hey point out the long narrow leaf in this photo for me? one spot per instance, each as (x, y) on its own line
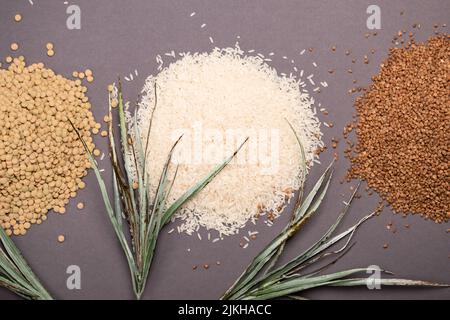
(145, 216)
(308, 208)
(109, 209)
(10, 270)
(317, 247)
(315, 250)
(295, 213)
(154, 226)
(198, 186)
(24, 292)
(386, 282)
(299, 284)
(19, 272)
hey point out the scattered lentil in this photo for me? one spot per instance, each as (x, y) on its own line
(114, 103)
(14, 46)
(17, 18)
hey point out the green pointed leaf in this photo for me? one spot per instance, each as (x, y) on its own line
(305, 211)
(387, 282)
(198, 186)
(18, 276)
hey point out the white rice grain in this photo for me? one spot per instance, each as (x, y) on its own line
(210, 87)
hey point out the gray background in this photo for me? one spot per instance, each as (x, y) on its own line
(120, 36)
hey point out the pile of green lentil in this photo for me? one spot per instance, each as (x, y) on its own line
(403, 130)
(42, 162)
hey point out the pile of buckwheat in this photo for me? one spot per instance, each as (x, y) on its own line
(403, 130)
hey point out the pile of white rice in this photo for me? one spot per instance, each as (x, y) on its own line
(215, 100)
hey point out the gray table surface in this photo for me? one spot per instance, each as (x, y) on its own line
(118, 37)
